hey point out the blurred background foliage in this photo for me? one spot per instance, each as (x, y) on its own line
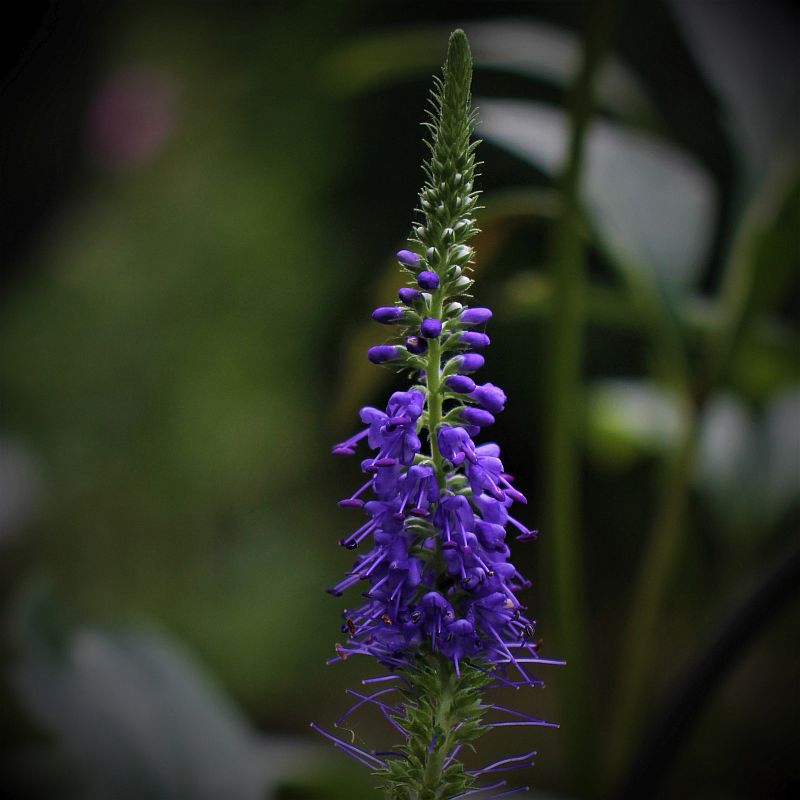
(200, 204)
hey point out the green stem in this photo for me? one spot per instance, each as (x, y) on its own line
(443, 708)
(564, 386)
(739, 277)
(716, 657)
(640, 639)
(432, 777)
(431, 788)
(668, 526)
(433, 378)
(433, 373)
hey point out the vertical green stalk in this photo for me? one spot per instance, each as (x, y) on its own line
(641, 635)
(669, 522)
(434, 372)
(442, 709)
(564, 393)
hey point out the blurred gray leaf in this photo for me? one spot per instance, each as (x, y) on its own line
(531, 49)
(627, 419)
(650, 205)
(547, 52)
(748, 465)
(20, 487)
(782, 435)
(140, 720)
(749, 54)
(728, 462)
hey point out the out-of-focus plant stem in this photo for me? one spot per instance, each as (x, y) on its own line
(668, 526)
(640, 639)
(562, 517)
(718, 655)
(736, 289)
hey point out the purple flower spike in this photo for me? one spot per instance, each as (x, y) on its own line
(428, 280)
(491, 397)
(416, 345)
(407, 258)
(387, 314)
(474, 339)
(475, 316)
(381, 353)
(469, 362)
(408, 295)
(460, 383)
(476, 416)
(430, 328)
(436, 593)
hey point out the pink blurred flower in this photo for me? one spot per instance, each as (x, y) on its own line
(131, 117)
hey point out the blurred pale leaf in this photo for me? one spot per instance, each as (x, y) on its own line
(20, 487)
(650, 205)
(531, 49)
(782, 436)
(748, 52)
(627, 419)
(547, 52)
(749, 465)
(140, 719)
(726, 468)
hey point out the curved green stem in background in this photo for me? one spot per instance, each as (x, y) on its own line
(739, 276)
(562, 521)
(668, 527)
(726, 643)
(641, 634)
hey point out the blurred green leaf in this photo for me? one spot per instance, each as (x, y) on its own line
(768, 341)
(380, 58)
(774, 249)
(766, 361)
(531, 49)
(161, 351)
(140, 719)
(650, 205)
(529, 294)
(628, 419)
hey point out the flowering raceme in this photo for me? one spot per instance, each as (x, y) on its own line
(440, 609)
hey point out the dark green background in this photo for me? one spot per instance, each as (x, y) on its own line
(176, 358)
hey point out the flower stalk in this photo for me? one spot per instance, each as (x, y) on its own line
(441, 613)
